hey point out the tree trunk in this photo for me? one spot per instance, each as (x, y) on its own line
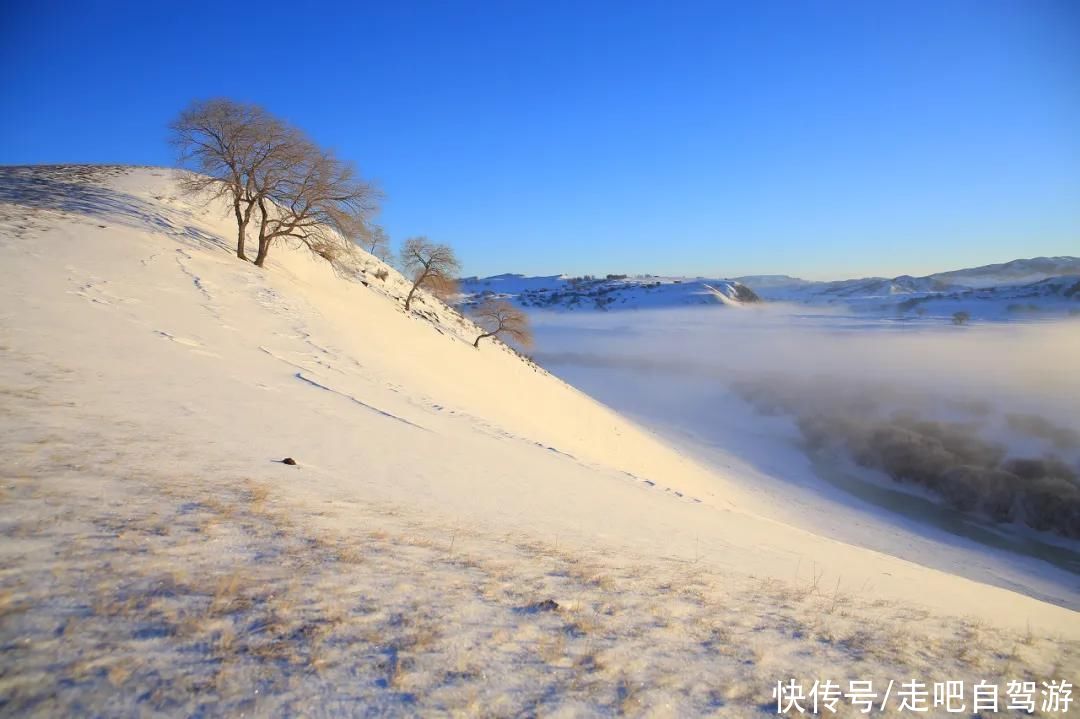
(264, 241)
(241, 237)
(419, 281)
(476, 344)
(264, 249)
(241, 232)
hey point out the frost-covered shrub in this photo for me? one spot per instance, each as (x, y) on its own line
(962, 488)
(1036, 426)
(1052, 504)
(1038, 468)
(949, 459)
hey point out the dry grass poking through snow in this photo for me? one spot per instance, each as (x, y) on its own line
(131, 589)
(149, 594)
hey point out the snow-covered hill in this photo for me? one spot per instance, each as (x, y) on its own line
(1041, 286)
(1016, 272)
(1052, 296)
(462, 532)
(1003, 291)
(614, 292)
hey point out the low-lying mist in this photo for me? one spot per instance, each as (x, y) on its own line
(985, 418)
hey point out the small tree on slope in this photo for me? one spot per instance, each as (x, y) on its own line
(433, 267)
(498, 317)
(377, 243)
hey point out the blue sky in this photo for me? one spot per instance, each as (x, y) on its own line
(814, 138)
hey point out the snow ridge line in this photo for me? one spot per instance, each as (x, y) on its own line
(300, 376)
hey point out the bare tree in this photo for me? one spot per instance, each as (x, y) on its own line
(443, 286)
(255, 161)
(377, 243)
(433, 267)
(231, 147)
(316, 199)
(498, 317)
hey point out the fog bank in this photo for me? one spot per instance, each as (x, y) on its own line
(982, 417)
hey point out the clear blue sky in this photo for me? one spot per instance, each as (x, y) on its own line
(815, 138)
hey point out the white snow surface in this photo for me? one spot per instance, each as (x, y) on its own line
(150, 380)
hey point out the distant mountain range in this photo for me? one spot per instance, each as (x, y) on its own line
(613, 292)
(1013, 273)
(1016, 272)
(1047, 285)
(1024, 287)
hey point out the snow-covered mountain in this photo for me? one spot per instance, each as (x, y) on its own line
(780, 287)
(764, 282)
(1039, 285)
(1053, 295)
(1016, 272)
(614, 292)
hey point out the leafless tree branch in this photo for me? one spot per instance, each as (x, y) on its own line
(500, 318)
(433, 267)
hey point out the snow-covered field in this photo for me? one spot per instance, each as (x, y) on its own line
(464, 533)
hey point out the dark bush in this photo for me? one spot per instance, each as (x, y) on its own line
(998, 494)
(990, 491)
(1038, 468)
(962, 487)
(1035, 426)
(1052, 504)
(950, 459)
(906, 455)
(959, 440)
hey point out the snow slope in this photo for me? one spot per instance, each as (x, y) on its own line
(158, 555)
